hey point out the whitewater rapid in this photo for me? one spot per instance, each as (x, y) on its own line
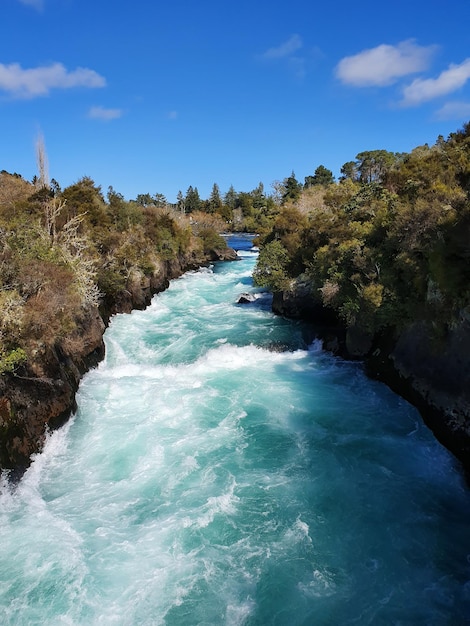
(222, 469)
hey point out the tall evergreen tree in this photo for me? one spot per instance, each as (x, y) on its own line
(259, 199)
(215, 201)
(292, 188)
(230, 198)
(322, 176)
(192, 201)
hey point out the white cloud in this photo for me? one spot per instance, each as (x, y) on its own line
(424, 89)
(285, 50)
(36, 4)
(101, 113)
(38, 81)
(454, 111)
(384, 65)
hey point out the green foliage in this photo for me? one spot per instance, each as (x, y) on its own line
(389, 243)
(271, 270)
(372, 165)
(146, 200)
(84, 197)
(192, 200)
(292, 189)
(62, 252)
(322, 176)
(211, 240)
(10, 361)
(349, 171)
(215, 201)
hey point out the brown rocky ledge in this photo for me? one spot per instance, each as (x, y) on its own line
(41, 395)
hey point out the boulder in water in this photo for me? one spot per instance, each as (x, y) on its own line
(246, 298)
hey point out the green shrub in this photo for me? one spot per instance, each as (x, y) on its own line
(9, 361)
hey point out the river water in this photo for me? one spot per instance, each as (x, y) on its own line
(210, 476)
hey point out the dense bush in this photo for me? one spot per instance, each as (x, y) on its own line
(64, 251)
(387, 244)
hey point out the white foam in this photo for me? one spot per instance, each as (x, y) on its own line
(321, 585)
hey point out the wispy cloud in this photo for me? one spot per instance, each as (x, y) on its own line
(102, 113)
(36, 4)
(285, 50)
(39, 81)
(385, 64)
(425, 89)
(287, 53)
(454, 111)
(172, 115)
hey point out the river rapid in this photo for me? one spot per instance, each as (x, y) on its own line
(222, 469)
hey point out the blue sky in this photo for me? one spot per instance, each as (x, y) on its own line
(152, 97)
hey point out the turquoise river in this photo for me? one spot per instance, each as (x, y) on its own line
(222, 470)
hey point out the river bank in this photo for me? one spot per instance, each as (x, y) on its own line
(431, 373)
(40, 395)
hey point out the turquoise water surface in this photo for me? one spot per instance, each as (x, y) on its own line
(210, 476)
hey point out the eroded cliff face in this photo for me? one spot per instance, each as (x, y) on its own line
(41, 394)
(141, 288)
(430, 370)
(433, 373)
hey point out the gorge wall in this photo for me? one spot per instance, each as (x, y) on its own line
(430, 370)
(40, 395)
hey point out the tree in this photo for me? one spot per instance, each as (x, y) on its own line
(84, 197)
(322, 176)
(180, 202)
(372, 165)
(192, 200)
(42, 163)
(292, 188)
(349, 171)
(55, 187)
(259, 199)
(144, 199)
(271, 269)
(230, 198)
(245, 203)
(215, 201)
(160, 200)
(118, 210)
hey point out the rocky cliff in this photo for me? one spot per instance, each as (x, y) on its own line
(40, 395)
(430, 370)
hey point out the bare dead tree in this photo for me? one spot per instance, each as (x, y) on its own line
(42, 163)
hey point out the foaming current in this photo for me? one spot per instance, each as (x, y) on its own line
(222, 469)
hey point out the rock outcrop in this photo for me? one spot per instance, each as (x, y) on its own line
(431, 372)
(225, 254)
(246, 298)
(41, 394)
